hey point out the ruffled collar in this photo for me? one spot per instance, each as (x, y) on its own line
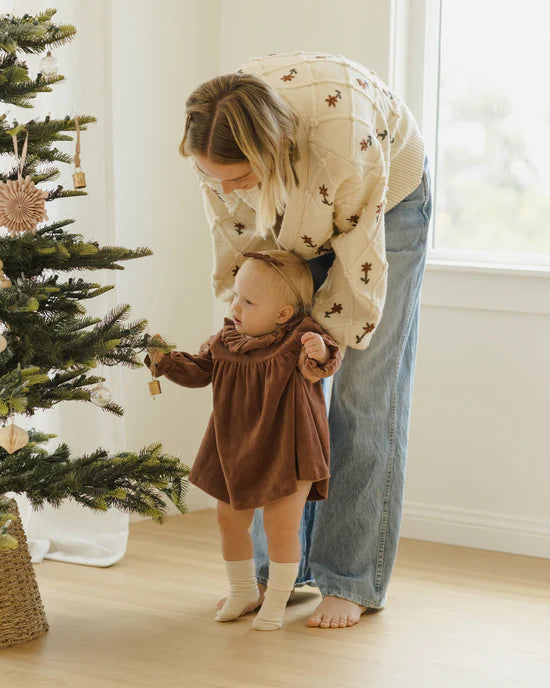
(239, 343)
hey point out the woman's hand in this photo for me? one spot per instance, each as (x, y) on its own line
(315, 347)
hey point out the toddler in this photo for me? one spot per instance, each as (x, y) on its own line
(267, 441)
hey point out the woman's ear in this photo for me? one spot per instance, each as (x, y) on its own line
(285, 314)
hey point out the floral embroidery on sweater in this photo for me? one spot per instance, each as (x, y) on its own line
(353, 220)
(288, 77)
(324, 193)
(369, 327)
(362, 83)
(365, 143)
(336, 308)
(384, 134)
(332, 100)
(239, 227)
(308, 241)
(366, 267)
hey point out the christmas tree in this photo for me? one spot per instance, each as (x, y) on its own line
(48, 346)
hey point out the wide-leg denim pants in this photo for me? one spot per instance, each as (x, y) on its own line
(349, 541)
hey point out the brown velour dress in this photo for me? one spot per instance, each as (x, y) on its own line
(269, 425)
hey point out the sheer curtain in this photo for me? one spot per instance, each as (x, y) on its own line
(73, 533)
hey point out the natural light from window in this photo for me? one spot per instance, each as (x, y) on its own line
(493, 157)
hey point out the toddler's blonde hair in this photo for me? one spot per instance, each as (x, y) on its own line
(239, 117)
(295, 269)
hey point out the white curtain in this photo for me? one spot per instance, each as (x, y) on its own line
(73, 533)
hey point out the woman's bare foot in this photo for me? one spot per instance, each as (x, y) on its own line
(335, 612)
(251, 607)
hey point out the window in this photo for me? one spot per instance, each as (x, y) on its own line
(475, 80)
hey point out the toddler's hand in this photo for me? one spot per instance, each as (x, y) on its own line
(315, 347)
(155, 356)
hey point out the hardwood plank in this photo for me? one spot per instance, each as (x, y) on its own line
(455, 617)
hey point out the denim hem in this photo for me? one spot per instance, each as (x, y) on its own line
(298, 584)
(370, 604)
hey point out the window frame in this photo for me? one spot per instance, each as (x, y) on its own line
(414, 73)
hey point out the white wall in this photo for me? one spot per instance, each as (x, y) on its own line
(358, 29)
(158, 58)
(479, 469)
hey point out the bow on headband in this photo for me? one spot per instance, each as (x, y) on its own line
(276, 264)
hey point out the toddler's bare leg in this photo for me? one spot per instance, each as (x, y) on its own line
(281, 523)
(237, 550)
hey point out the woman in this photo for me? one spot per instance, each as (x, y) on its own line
(313, 154)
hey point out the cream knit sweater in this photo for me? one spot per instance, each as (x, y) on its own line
(360, 154)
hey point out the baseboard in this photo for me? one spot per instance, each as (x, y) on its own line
(481, 530)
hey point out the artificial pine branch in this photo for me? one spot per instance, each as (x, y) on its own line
(30, 34)
(20, 93)
(127, 480)
(30, 254)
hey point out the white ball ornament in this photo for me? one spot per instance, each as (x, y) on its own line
(49, 66)
(100, 395)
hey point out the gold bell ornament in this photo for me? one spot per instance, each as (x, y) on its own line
(154, 387)
(79, 179)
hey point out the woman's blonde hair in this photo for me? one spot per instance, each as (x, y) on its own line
(299, 293)
(238, 117)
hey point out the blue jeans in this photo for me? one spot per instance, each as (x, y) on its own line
(349, 541)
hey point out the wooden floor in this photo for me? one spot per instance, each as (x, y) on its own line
(455, 617)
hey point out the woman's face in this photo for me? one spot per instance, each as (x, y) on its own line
(256, 309)
(238, 175)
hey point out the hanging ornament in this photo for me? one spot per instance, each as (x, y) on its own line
(100, 395)
(22, 204)
(5, 282)
(49, 66)
(3, 343)
(13, 438)
(79, 179)
(154, 387)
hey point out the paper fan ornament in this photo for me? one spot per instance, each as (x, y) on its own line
(22, 204)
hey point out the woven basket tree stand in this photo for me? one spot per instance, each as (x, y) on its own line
(22, 616)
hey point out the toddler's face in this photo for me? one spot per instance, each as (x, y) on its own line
(255, 309)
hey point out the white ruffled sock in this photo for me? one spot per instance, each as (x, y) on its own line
(279, 586)
(243, 589)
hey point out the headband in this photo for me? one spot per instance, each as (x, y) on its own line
(276, 265)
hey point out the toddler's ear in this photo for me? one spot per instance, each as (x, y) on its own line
(285, 314)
